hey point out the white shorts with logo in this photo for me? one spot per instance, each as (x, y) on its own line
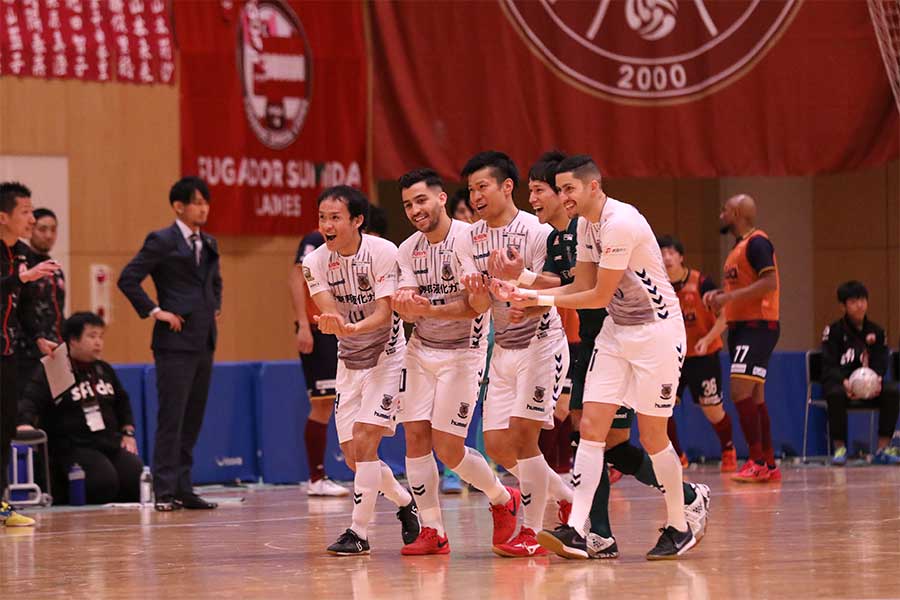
(368, 395)
(441, 386)
(637, 366)
(526, 383)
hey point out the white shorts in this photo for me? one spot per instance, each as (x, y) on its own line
(637, 366)
(526, 383)
(368, 395)
(441, 387)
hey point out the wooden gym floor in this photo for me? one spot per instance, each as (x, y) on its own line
(822, 533)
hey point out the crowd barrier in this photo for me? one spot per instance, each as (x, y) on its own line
(255, 415)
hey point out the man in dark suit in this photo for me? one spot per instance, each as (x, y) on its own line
(184, 265)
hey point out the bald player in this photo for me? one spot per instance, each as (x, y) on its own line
(750, 302)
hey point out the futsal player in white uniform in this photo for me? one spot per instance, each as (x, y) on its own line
(637, 357)
(531, 355)
(444, 362)
(351, 278)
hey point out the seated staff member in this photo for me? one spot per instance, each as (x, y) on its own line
(91, 424)
(849, 343)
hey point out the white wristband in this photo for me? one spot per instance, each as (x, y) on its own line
(543, 300)
(526, 277)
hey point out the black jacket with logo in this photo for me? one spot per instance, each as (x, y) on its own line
(40, 308)
(64, 419)
(844, 347)
(12, 258)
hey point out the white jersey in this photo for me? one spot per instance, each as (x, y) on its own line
(623, 240)
(434, 270)
(356, 282)
(526, 234)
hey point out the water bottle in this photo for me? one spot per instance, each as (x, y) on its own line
(76, 486)
(146, 487)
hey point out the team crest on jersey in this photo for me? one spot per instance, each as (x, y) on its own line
(335, 264)
(362, 281)
(463, 410)
(479, 237)
(446, 272)
(386, 402)
(665, 392)
(539, 393)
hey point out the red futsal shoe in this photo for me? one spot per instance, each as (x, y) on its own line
(505, 516)
(428, 542)
(524, 545)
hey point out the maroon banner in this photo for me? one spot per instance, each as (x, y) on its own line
(648, 87)
(273, 107)
(92, 40)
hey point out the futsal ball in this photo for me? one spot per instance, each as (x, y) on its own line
(864, 383)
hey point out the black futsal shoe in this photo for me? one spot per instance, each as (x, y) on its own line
(672, 544)
(564, 541)
(409, 522)
(349, 544)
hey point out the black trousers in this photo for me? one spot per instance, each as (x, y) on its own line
(9, 408)
(182, 381)
(25, 368)
(109, 475)
(888, 405)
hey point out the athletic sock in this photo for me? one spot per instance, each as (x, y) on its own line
(475, 470)
(667, 466)
(534, 472)
(599, 514)
(365, 493)
(749, 416)
(585, 478)
(557, 487)
(765, 433)
(725, 433)
(315, 437)
(672, 429)
(391, 488)
(422, 473)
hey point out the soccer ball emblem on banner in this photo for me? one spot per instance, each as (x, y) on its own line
(640, 51)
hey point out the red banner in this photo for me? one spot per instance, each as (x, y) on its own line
(273, 107)
(648, 87)
(92, 40)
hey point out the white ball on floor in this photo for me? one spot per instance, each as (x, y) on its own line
(864, 383)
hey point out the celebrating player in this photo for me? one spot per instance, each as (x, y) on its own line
(444, 362)
(530, 354)
(351, 279)
(636, 359)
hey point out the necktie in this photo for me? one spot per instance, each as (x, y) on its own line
(196, 246)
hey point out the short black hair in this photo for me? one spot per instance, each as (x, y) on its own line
(545, 167)
(378, 221)
(10, 192)
(183, 190)
(850, 290)
(356, 201)
(460, 196)
(429, 176)
(40, 213)
(670, 241)
(581, 166)
(502, 167)
(74, 326)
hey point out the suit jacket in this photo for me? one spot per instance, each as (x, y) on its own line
(184, 288)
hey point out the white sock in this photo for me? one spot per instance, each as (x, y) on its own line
(667, 467)
(474, 469)
(425, 482)
(586, 475)
(557, 487)
(392, 489)
(534, 490)
(365, 493)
